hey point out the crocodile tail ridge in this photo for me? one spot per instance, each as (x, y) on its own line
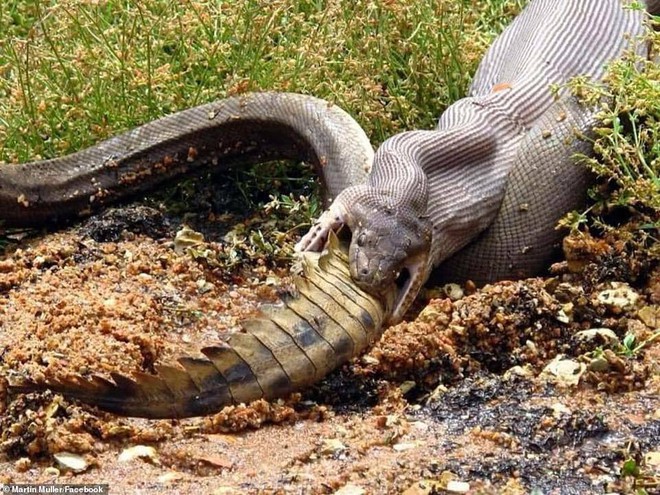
(325, 321)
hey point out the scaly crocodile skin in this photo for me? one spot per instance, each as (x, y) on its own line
(478, 197)
(323, 323)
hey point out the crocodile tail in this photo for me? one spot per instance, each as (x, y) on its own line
(319, 325)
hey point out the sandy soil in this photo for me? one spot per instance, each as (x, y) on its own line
(467, 392)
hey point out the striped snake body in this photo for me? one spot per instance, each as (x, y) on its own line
(478, 197)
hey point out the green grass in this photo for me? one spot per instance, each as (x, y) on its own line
(75, 72)
(72, 73)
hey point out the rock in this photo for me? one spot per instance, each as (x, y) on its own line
(525, 371)
(370, 360)
(650, 316)
(227, 490)
(52, 472)
(564, 371)
(185, 238)
(559, 409)
(171, 477)
(598, 334)
(23, 464)
(402, 447)
(565, 314)
(332, 446)
(222, 438)
(203, 286)
(445, 484)
(620, 297)
(453, 291)
(216, 461)
(458, 487)
(407, 386)
(139, 452)
(652, 460)
(424, 487)
(72, 462)
(599, 363)
(351, 490)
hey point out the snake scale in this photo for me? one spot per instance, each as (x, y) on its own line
(478, 198)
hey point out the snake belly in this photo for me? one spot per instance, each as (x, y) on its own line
(493, 179)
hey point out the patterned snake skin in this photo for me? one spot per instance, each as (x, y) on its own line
(481, 195)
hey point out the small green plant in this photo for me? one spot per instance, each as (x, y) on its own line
(644, 480)
(267, 235)
(300, 211)
(625, 203)
(628, 345)
(627, 140)
(630, 468)
(630, 348)
(574, 221)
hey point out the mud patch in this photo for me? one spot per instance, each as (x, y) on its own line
(117, 223)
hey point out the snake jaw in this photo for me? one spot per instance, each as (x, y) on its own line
(389, 254)
(417, 268)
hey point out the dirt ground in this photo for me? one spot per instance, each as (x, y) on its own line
(504, 390)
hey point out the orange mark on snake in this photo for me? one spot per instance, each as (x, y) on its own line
(501, 87)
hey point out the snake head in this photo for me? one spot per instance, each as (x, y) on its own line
(389, 254)
(390, 247)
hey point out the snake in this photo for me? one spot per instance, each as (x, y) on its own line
(477, 198)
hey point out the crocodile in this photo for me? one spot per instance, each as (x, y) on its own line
(319, 324)
(477, 197)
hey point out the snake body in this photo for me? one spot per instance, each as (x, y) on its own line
(240, 130)
(478, 197)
